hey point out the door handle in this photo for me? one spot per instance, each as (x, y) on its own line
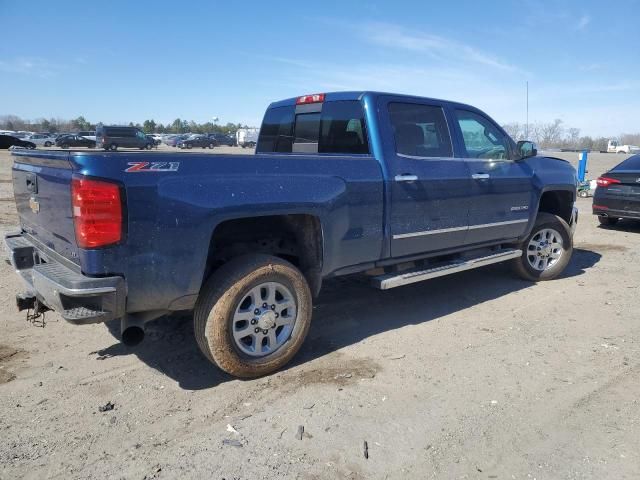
(406, 178)
(480, 176)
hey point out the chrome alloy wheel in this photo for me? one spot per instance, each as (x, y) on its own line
(545, 249)
(264, 319)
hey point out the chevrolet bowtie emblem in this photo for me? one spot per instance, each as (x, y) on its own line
(34, 205)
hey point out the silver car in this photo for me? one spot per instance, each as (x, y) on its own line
(42, 139)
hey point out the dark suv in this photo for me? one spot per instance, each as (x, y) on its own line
(197, 141)
(223, 139)
(111, 138)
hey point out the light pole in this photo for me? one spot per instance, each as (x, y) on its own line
(526, 126)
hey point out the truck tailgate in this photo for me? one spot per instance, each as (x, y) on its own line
(42, 189)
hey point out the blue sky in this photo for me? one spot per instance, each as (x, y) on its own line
(121, 61)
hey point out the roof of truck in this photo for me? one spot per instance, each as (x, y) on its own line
(337, 96)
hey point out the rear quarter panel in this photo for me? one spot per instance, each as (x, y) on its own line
(172, 215)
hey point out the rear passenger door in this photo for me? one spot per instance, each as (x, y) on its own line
(429, 187)
(501, 187)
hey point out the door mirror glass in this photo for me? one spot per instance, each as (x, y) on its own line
(527, 149)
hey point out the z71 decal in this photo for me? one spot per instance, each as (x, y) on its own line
(152, 167)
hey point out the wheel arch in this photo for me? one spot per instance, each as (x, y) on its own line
(557, 201)
(297, 238)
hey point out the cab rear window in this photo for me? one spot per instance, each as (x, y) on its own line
(338, 128)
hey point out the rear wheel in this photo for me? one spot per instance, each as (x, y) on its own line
(189, 146)
(47, 144)
(211, 145)
(148, 146)
(546, 251)
(113, 147)
(64, 145)
(608, 221)
(253, 315)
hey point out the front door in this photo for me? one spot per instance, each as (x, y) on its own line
(429, 188)
(501, 187)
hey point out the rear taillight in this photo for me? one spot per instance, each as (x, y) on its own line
(97, 212)
(315, 98)
(606, 181)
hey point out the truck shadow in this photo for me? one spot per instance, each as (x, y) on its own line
(631, 226)
(347, 312)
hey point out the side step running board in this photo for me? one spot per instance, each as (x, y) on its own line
(392, 280)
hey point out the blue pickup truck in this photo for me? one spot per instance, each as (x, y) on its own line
(400, 188)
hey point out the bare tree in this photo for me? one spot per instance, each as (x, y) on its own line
(630, 139)
(573, 138)
(515, 130)
(550, 134)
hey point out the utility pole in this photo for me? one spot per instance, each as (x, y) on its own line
(526, 126)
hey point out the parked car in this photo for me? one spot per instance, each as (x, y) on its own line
(42, 139)
(247, 137)
(113, 137)
(405, 188)
(157, 138)
(617, 193)
(202, 141)
(223, 139)
(8, 141)
(88, 134)
(173, 140)
(73, 140)
(153, 140)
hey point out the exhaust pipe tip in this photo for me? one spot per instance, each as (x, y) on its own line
(132, 335)
(132, 326)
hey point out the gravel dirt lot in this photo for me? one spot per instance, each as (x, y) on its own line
(478, 375)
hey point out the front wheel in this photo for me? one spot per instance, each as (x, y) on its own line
(211, 145)
(47, 144)
(253, 315)
(546, 251)
(113, 147)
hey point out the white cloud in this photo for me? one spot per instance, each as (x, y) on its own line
(583, 22)
(435, 46)
(29, 66)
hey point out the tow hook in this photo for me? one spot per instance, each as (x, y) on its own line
(35, 309)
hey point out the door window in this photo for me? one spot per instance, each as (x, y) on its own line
(420, 130)
(482, 139)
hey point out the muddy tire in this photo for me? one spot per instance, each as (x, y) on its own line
(230, 294)
(546, 251)
(608, 221)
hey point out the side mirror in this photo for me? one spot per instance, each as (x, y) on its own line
(526, 149)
